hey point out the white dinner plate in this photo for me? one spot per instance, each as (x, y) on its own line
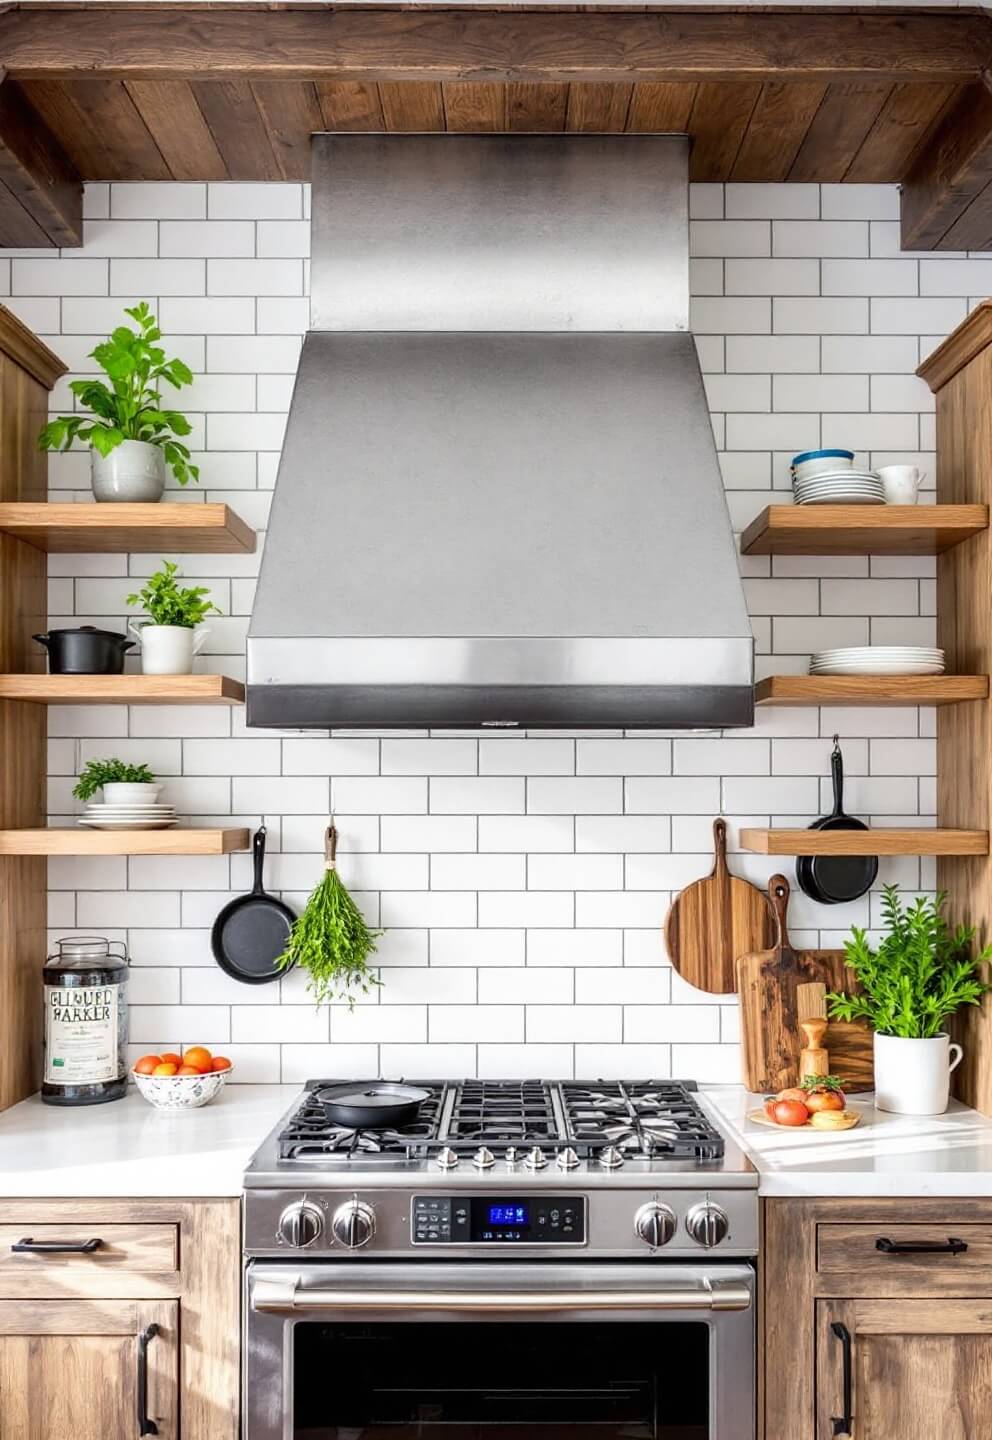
(126, 824)
(880, 667)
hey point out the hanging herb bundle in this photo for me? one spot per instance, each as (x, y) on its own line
(331, 940)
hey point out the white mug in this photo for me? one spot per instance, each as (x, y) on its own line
(168, 649)
(901, 483)
(913, 1077)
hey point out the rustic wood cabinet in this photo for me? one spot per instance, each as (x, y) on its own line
(115, 1310)
(877, 1319)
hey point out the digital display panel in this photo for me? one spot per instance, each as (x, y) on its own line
(513, 1215)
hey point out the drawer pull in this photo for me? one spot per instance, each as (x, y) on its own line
(843, 1425)
(27, 1246)
(950, 1246)
(145, 1425)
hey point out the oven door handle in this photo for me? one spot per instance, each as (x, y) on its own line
(287, 1297)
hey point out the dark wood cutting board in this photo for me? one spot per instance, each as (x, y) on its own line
(770, 1036)
(713, 921)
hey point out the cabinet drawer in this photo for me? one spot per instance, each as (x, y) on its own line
(66, 1255)
(894, 1251)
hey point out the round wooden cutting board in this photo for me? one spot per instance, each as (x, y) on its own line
(715, 920)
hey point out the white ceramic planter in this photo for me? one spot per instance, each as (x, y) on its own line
(131, 792)
(133, 472)
(168, 649)
(912, 1077)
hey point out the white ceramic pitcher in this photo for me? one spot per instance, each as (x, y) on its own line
(901, 483)
(168, 649)
(913, 1077)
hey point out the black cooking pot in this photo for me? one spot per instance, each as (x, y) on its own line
(376, 1105)
(85, 651)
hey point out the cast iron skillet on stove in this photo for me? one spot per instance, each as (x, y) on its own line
(374, 1105)
(836, 879)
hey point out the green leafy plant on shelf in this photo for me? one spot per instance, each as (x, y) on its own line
(167, 603)
(129, 406)
(920, 974)
(98, 773)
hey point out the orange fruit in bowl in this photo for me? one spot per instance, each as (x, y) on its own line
(198, 1056)
(146, 1065)
(166, 1068)
(220, 1062)
(188, 1070)
(169, 1057)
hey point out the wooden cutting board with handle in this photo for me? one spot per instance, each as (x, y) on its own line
(714, 920)
(768, 982)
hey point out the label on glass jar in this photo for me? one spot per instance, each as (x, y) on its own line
(81, 1034)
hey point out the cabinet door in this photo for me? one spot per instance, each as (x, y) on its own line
(81, 1368)
(918, 1368)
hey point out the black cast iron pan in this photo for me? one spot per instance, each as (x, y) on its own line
(836, 879)
(250, 933)
(372, 1105)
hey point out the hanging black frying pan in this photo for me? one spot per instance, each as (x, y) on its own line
(836, 879)
(372, 1105)
(250, 933)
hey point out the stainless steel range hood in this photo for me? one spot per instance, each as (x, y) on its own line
(498, 501)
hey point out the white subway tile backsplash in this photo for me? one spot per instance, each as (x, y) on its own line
(522, 880)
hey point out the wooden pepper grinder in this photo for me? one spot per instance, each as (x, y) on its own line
(813, 1058)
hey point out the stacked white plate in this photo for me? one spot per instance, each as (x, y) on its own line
(127, 817)
(879, 660)
(842, 487)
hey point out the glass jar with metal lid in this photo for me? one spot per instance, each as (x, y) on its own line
(85, 981)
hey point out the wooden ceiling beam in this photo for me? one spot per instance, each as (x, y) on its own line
(260, 42)
(41, 194)
(946, 194)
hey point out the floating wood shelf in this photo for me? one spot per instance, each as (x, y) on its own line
(862, 529)
(866, 842)
(868, 689)
(123, 689)
(77, 841)
(192, 528)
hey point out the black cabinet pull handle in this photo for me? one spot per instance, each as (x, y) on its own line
(27, 1246)
(950, 1246)
(145, 1426)
(843, 1425)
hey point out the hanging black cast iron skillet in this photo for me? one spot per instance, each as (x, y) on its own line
(250, 933)
(836, 879)
(372, 1105)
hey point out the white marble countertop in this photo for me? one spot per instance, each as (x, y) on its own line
(886, 1154)
(127, 1148)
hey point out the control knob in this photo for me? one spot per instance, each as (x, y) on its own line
(655, 1224)
(707, 1224)
(353, 1224)
(300, 1224)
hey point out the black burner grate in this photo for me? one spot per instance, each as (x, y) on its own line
(650, 1119)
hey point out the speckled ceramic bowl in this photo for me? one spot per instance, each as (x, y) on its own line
(180, 1092)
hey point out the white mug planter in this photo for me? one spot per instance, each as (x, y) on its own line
(131, 792)
(133, 472)
(168, 649)
(913, 1077)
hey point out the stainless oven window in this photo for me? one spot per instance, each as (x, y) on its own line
(509, 1381)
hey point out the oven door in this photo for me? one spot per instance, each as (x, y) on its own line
(499, 1351)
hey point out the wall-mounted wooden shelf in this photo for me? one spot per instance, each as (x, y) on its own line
(169, 527)
(77, 841)
(866, 842)
(862, 529)
(869, 690)
(123, 689)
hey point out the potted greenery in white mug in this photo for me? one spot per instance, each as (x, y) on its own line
(121, 783)
(173, 632)
(920, 975)
(132, 438)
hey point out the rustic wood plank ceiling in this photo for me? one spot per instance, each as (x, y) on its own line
(192, 92)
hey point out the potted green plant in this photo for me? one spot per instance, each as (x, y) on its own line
(122, 784)
(132, 438)
(919, 976)
(173, 632)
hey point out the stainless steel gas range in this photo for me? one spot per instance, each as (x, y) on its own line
(518, 1259)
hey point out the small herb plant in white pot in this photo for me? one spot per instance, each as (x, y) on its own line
(173, 632)
(122, 784)
(132, 438)
(920, 975)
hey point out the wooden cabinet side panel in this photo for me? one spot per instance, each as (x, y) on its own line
(786, 1342)
(210, 1365)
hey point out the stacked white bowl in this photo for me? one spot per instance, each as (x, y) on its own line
(828, 477)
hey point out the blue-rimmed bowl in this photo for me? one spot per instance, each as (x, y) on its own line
(820, 462)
